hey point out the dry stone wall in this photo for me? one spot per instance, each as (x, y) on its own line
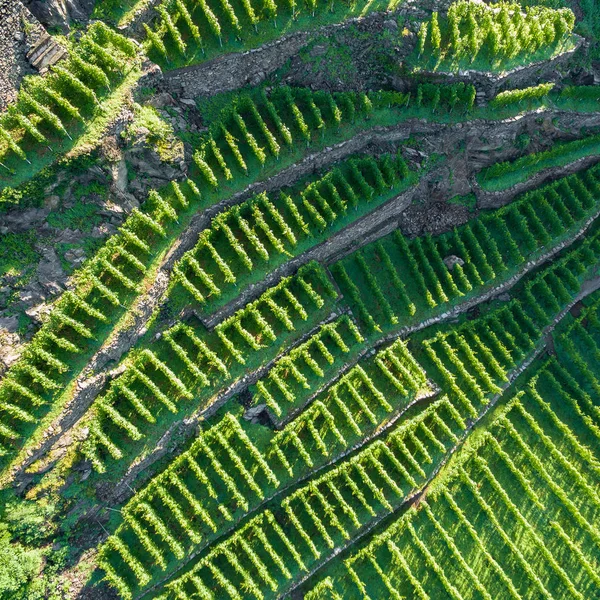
(19, 31)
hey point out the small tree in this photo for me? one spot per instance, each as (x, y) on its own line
(422, 37)
(436, 35)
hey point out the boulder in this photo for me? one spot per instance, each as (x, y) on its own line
(452, 260)
(10, 324)
(253, 413)
(61, 13)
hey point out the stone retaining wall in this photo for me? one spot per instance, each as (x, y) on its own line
(19, 29)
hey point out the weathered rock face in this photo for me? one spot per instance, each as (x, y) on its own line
(61, 13)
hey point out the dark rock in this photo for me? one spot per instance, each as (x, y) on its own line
(19, 29)
(161, 100)
(61, 13)
(10, 324)
(38, 312)
(22, 220)
(119, 176)
(253, 413)
(452, 260)
(50, 273)
(75, 256)
(51, 202)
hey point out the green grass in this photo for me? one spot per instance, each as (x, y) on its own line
(82, 216)
(18, 255)
(468, 200)
(117, 12)
(336, 63)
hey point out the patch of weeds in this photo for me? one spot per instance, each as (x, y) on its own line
(24, 322)
(82, 216)
(144, 93)
(27, 195)
(30, 521)
(468, 200)
(433, 161)
(160, 133)
(193, 138)
(17, 254)
(89, 245)
(522, 142)
(210, 108)
(61, 250)
(20, 566)
(335, 62)
(31, 193)
(94, 187)
(131, 172)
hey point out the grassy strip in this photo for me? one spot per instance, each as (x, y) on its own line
(502, 176)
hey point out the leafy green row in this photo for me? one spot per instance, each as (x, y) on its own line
(185, 27)
(226, 472)
(254, 236)
(322, 514)
(326, 513)
(500, 175)
(296, 375)
(500, 31)
(527, 491)
(46, 107)
(187, 360)
(110, 281)
(394, 281)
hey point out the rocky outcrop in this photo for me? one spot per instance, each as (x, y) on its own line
(61, 13)
(233, 71)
